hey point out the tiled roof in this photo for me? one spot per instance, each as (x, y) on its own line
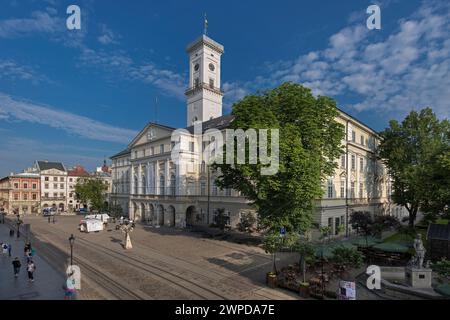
(46, 165)
(219, 123)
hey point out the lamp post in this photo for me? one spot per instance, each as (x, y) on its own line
(19, 222)
(71, 241)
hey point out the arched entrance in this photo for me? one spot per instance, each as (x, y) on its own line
(191, 214)
(61, 207)
(169, 217)
(160, 215)
(135, 210)
(149, 214)
(141, 213)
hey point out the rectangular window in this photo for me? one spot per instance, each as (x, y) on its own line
(25, 185)
(25, 196)
(55, 194)
(55, 178)
(330, 223)
(353, 162)
(343, 157)
(353, 136)
(361, 189)
(161, 148)
(61, 195)
(34, 186)
(203, 188)
(70, 179)
(214, 190)
(362, 139)
(330, 189)
(16, 196)
(46, 179)
(55, 186)
(46, 195)
(172, 145)
(34, 196)
(352, 190)
(361, 164)
(61, 179)
(16, 185)
(342, 189)
(46, 186)
(191, 147)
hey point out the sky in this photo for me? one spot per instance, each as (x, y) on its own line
(79, 96)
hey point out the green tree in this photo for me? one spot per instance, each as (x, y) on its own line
(92, 191)
(307, 255)
(416, 152)
(309, 142)
(346, 258)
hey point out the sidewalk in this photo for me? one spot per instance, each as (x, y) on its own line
(47, 284)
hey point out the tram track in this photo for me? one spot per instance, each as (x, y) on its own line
(177, 281)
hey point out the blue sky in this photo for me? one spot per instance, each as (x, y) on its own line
(77, 96)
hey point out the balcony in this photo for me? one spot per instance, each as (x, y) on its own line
(203, 86)
(53, 198)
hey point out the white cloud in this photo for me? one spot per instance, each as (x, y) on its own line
(11, 70)
(108, 36)
(20, 110)
(410, 69)
(39, 22)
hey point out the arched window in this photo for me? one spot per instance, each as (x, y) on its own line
(172, 185)
(161, 185)
(144, 185)
(136, 184)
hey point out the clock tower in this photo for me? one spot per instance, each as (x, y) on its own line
(204, 96)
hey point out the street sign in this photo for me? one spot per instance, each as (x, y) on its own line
(347, 290)
(282, 231)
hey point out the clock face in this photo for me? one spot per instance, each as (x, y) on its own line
(196, 67)
(212, 67)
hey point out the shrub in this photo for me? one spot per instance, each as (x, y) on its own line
(247, 222)
(442, 268)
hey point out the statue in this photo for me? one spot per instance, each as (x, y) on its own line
(127, 229)
(417, 260)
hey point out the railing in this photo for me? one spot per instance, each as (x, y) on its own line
(53, 198)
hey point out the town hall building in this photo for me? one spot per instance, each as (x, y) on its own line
(152, 188)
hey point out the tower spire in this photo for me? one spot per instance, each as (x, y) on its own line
(205, 29)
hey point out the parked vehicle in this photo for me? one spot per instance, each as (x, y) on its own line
(90, 225)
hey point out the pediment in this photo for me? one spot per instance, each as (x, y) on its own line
(151, 132)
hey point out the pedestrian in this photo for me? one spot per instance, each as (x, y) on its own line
(31, 267)
(11, 232)
(29, 256)
(4, 248)
(9, 249)
(16, 265)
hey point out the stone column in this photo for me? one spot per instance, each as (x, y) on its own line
(140, 191)
(167, 177)
(132, 180)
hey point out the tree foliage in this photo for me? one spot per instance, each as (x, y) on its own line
(417, 155)
(309, 142)
(92, 191)
(346, 258)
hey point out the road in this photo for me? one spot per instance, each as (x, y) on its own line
(164, 263)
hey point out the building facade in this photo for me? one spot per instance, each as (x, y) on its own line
(53, 176)
(150, 186)
(73, 176)
(20, 194)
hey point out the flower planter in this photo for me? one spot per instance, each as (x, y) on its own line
(271, 279)
(304, 290)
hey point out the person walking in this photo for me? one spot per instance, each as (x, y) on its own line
(16, 265)
(9, 250)
(31, 267)
(5, 248)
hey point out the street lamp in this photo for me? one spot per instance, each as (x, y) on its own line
(19, 222)
(71, 241)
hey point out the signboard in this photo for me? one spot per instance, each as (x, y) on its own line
(347, 290)
(94, 225)
(282, 231)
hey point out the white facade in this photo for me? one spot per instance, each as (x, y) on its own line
(54, 189)
(152, 188)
